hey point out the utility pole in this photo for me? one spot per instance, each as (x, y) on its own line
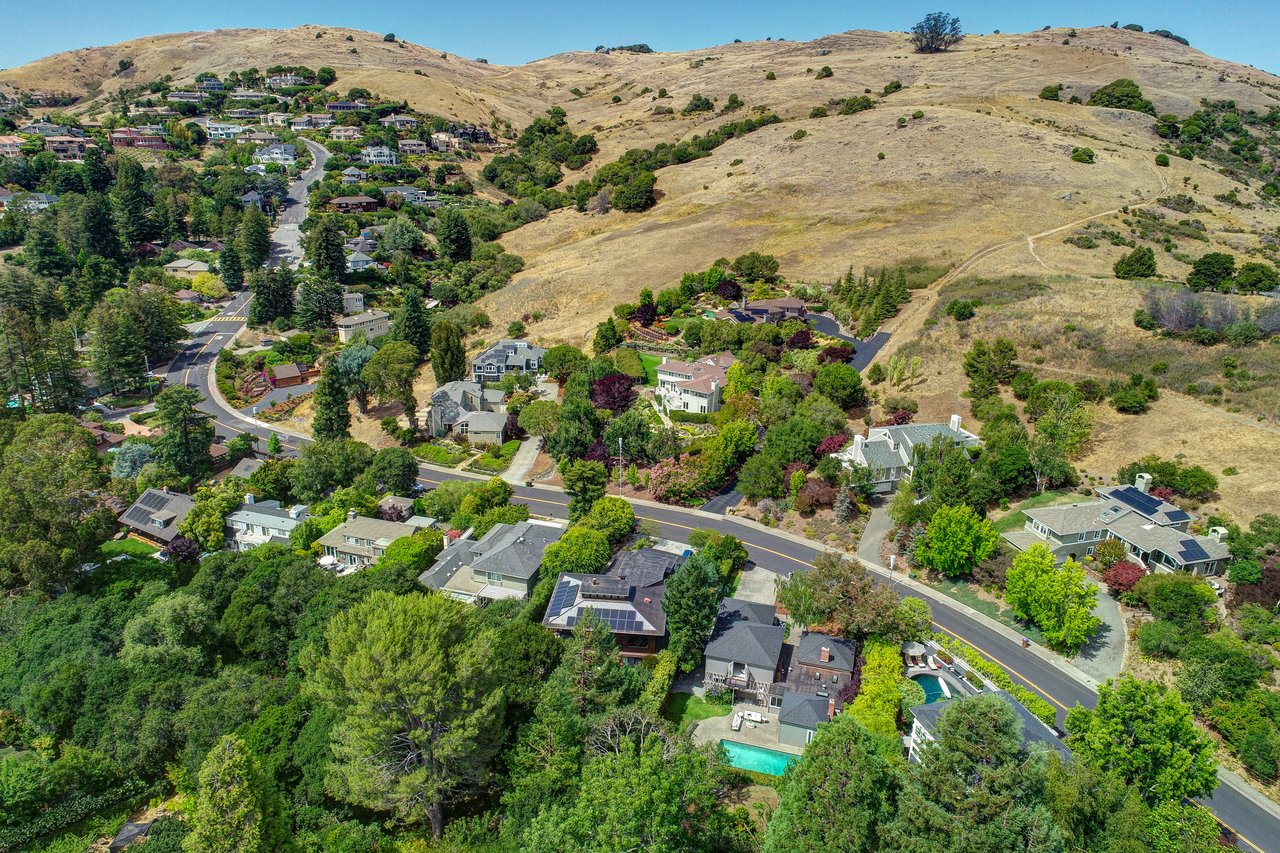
(619, 466)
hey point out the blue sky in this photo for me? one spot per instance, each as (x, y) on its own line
(516, 31)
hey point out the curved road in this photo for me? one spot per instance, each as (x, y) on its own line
(1244, 812)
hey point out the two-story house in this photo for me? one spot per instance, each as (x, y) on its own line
(285, 81)
(357, 261)
(354, 204)
(411, 195)
(744, 653)
(452, 401)
(360, 541)
(413, 147)
(693, 386)
(1155, 532)
(379, 155)
(399, 122)
(284, 154)
(501, 564)
(156, 514)
(345, 133)
(353, 175)
(890, 451)
(506, 356)
(255, 523)
(371, 324)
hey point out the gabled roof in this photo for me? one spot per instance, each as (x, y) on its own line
(803, 710)
(156, 505)
(644, 566)
(1035, 734)
(843, 652)
(742, 636)
(627, 609)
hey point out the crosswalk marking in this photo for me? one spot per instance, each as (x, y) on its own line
(231, 318)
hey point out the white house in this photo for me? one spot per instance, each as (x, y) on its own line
(371, 324)
(693, 386)
(379, 155)
(221, 130)
(889, 451)
(284, 154)
(255, 523)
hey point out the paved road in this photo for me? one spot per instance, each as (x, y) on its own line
(287, 241)
(1256, 826)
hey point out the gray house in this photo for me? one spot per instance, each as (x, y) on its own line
(889, 451)
(744, 650)
(255, 523)
(156, 514)
(453, 401)
(800, 715)
(360, 541)
(506, 356)
(1154, 531)
(629, 601)
(1036, 736)
(501, 564)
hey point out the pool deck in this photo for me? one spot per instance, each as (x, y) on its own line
(764, 735)
(955, 684)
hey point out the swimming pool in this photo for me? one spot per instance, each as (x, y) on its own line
(933, 689)
(757, 758)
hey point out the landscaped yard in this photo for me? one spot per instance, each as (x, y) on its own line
(650, 363)
(967, 593)
(685, 708)
(132, 547)
(1017, 519)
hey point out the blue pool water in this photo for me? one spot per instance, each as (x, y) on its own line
(932, 687)
(759, 759)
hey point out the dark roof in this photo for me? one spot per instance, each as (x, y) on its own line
(742, 638)
(129, 834)
(286, 371)
(754, 611)
(629, 610)
(803, 710)
(1035, 734)
(843, 652)
(245, 467)
(644, 567)
(153, 506)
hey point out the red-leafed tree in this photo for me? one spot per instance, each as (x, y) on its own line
(730, 290)
(835, 354)
(1121, 577)
(646, 314)
(613, 392)
(802, 339)
(832, 444)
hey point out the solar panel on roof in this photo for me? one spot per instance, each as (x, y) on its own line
(1177, 515)
(154, 500)
(561, 599)
(1131, 497)
(1191, 551)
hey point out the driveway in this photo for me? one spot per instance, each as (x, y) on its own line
(1103, 657)
(756, 584)
(864, 352)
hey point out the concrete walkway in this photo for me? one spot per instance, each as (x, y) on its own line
(522, 463)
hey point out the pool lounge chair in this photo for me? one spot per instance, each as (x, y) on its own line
(736, 725)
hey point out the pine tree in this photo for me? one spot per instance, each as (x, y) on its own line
(453, 235)
(411, 324)
(131, 202)
(272, 295)
(325, 250)
(186, 431)
(229, 267)
(252, 239)
(319, 302)
(116, 355)
(448, 359)
(332, 420)
(274, 445)
(236, 809)
(97, 176)
(98, 229)
(41, 248)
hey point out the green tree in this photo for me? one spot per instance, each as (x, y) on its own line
(390, 373)
(395, 470)
(561, 361)
(794, 440)
(691, 603)
(319, 302)
(130, 201)
(1057, 599)
(539, 418)
(236, 807)
(1121, 94)
(401, 235)
(325, 465)
(956, 540)
(613, 517)
(253, 241)
(1176, 828)
(272, 295)
(206, 522)
(938, 32)
(230, 268)
(274, 445)
(411, 322)
(1145, 734)
(453, 236)
(172, 636)
(753, 266)
(331, 420)
(43, 253)
(760, 477)
(841, 384)
(1140, 263)
(838, 796)
(1212, 271)
(607, 337)
(186, 432)
(325, 249)
(840, 592)
(584, 483)
(420, 707)
(580, 550)
(116, 353)
(448, 358)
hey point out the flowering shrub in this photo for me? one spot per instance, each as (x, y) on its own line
(682, 480)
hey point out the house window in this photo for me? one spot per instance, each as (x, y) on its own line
(1089, 551)
(808, 736)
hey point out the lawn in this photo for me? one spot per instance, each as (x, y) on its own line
(685, 708)
(132, 547)
(964, 592)
(1017, 519)
(650, 363)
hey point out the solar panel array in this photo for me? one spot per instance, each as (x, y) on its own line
(1191, 551)
(145, 507)
(621, 621)
(562, 599)
(1143, 503)
(1177, 515)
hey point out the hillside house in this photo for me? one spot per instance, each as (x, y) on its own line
(285, 81)
(483, 428)
(371, 324)
(765, 310)
(67, 148)
(745, 650)
(452, 401)
(442, 141)
(131, 137)
(379, 155)
(257, 137)
(156, 514)
(693, 386)
(399, 122)
(256, 523)
(29, 202)
(250, 95)
(1036, 736)
(354, 204)
(1155, 533)
(353, 175)
(253, 198)
(185, 97)
(224, 130)
(11, 146)
(276, 119)
(45, 128)
(410, 147)
(501, 564)
(357, 261)
(211, 84)
(890, 451)
(506, 356)
(346, 106)
(352, 302)
(185, 268)
(360, 541)
(345, 134)
(411, 195)
(283, 154)
(243, 115)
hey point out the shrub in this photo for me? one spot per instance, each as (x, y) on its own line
(656, 689)
(1122, 94)
(1051, 93)
(770, 76)
(1120, 577)
(823, 73)
(997, 676)
(960, 309)
(918, 114)
(879, 699)
(1140, 263)
(698, 104)
(799, 134)
(1162, 159)
(1109, 552)
(1082, 155)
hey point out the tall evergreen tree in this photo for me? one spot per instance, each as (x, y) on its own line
(319, 302)
(332, 419)
(411, 323)
(186, 432)
(691, 603)
(230, 268)
(42, 250)
(96, 174)
(98, 229)
(448, 359)
(453, 235)
(130, 200)
(252, 239)
(325, 249)
(351, 362)
(116, 355)
(236, 808)
(272, 295)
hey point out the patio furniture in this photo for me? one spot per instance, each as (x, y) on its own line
(736, 725)
(753, 717)
(933, 663)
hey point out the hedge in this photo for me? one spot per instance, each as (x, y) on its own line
(690, 417)
(997, 676)
(66, 813)
(659, 684)
(879, 700)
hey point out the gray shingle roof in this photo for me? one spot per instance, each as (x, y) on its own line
(153, 506)
(739, 637)
(1035, 734)
(843, 652)
(803, 710)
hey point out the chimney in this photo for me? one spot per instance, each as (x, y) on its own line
(955, 423)
(744, 300)
(831, 708)
(664, 359)
(296, 510)
(1218, 534)
(825, 655)
(859, 442)
(351, 514)
(1143, 483)
(248, 497)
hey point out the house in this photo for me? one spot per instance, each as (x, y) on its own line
(30, 202)
(257, 137)
(156, 514)
(453, 400)
(501, 564)
(411, 195)
(442, 141)
(413, 147)
(276, 119)
(800, 714)
(130, 137)
(822, 663)
(311, 121)
(1155, 533)
(357, 261)
(11, 146)
(472, 134)
(360, 244)
(346, 106)
(185, 97)
(506, 356)
(285, 81)
(352, 303)
(345, 134)
(628, 599)
(359, 541)
(890, 451)
(188, 297)
(765, 310)
(353, 175)
(283, 153)
(288, 375)
(1036, 736)
(399, 122)
(67, 147)
(745, 650)
(224, 130)
(245, 467)
(379, 155)
(255, 523)
(185, 268)
(211, 84)
(104, 441)
(354, 204)
(693, 386)
(253, 198)
(44, 128)
(371, 324)
(483, 427)
(244, 115)
(249, 95)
